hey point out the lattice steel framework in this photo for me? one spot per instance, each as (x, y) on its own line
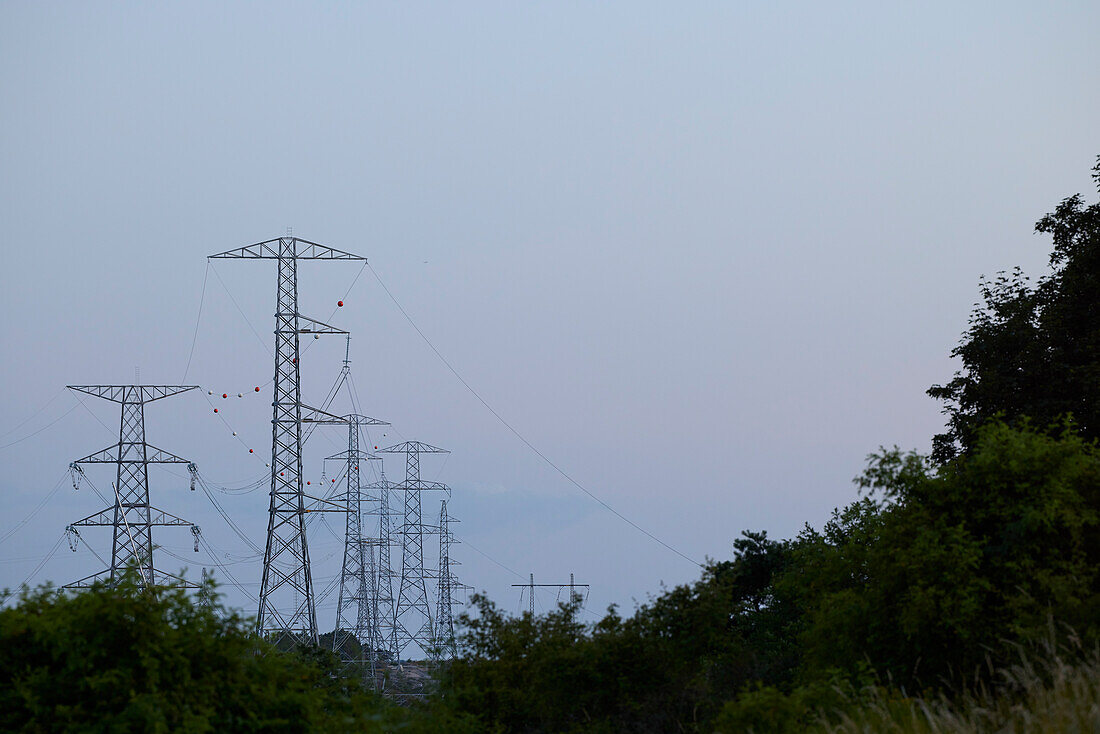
(287, 607)
(366, 623)
(448, 584)
(386, 574)
(357, 574)
(413, 612)
(131, 516)
(574, 597)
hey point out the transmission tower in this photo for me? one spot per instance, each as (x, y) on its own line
(413, 613)
(287, 607)
(448, 585)
(384, 617)
(357, 579)
(131, 516)
(531, 586)
(366, 624)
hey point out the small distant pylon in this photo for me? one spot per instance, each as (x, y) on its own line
(413, 613)
(131, 515)
(371, 644)
(206, 591)
(386, 574)
(448, 584)
(357, 572)
(574, 597)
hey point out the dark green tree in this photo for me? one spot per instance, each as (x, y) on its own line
(668, 667)
(927, 577)
(123, 659)
(1033, 350)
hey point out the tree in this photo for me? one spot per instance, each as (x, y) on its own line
(121, 659)
(1033, 351)
(931, 575)
(668, 667)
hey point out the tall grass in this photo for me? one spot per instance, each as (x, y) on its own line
(1052, 689)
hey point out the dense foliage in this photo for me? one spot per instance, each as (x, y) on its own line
(124, 660)
(921, 581)
(1033, 351)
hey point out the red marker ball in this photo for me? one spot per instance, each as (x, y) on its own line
(215, 410)
(334, 481)
(257, 389)
(307, 482)
(340, 304)
(280, 474)
(250, 451)
(225, 395)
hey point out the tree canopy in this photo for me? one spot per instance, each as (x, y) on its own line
(1033, 350)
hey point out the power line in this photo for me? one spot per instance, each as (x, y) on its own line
(239, 309)
(32, 415)
(35, 511)
(43, 428)
(518, 435)
(44, 561)
(195, 336)
(225, 516)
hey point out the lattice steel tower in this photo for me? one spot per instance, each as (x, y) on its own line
(384, 587)
(413, 613)
(357, 574)
(448, 584)
(286, 591)
(131, 516)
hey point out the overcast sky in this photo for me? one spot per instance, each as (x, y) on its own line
(704, 256)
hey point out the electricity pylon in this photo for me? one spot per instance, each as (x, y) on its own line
(448, 584)
(357, 572)
(384, 617)
(131, 516)
(572, 586)
(287, 607)
(413, 612)
(366, 623)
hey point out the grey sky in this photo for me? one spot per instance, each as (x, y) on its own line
(704, 256)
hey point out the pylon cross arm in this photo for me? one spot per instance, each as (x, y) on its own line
(324, 505)
(107, 517)
(416, 447)
(303, 250)
(129, 453)
(345, 455)
(423, 485)
(108, 455)
(160, 456)
(316, 415)
(132, 393)
(307, 325)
